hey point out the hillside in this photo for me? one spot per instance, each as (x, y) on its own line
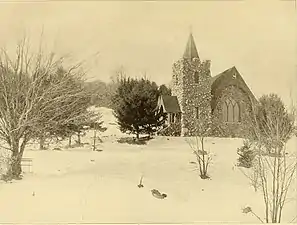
(78, 185)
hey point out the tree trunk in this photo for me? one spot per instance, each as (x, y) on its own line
(137, 136)
(41, 142)
(78, 138)
(69, 141)
(15, 169)
(94, 142)
(149, 132)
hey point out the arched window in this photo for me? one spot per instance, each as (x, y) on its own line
(230, 111)
(236, 113)
(196, 77)
(225, 111)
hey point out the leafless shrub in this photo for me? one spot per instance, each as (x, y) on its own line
(271, 128)
(197, 144)
(203, 157)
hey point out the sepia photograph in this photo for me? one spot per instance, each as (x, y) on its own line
(148, 112)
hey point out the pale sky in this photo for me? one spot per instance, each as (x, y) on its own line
(256, 36)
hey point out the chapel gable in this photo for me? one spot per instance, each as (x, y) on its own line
(231, 103)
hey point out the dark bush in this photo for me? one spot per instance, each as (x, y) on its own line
(246, 155)
(134, 141)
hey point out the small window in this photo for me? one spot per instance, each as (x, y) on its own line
(196, 77)
(197, 113)
(171, 117)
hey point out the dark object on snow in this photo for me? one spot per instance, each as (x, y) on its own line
(247, 210)
(157, 194)
(140, 185)
(57, 149)
(92, 160)
(33, 193)
(204, 177)
(193, 162)
(133, 140)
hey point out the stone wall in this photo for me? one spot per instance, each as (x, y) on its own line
(227, 129)
(191, 94)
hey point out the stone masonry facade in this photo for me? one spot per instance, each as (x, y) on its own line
(191, 84)
(201, 96)
(225, 129)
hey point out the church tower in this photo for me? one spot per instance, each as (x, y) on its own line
(191, 83)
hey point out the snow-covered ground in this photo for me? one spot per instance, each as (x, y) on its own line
(79, 185)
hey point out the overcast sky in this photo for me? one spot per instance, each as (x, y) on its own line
(258, 37)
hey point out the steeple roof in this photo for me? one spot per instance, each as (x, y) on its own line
(191, 50)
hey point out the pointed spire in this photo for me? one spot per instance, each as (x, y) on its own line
(191, 50)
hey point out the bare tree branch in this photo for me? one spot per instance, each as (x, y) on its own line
(37, 94)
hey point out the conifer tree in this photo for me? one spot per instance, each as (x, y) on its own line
(135, 104)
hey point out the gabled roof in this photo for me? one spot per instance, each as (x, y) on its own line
(213, 79)
(224, 79)
(191, 50)
(169, 103)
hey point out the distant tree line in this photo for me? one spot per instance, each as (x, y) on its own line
(102, 93)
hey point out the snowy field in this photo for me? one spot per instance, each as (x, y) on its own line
(78, 185)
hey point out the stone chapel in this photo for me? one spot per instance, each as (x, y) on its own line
(226, 98)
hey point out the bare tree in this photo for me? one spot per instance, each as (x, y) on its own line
(197, 143)
(118, 75)
(95, 123)
(275, 169)
(36, 96)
